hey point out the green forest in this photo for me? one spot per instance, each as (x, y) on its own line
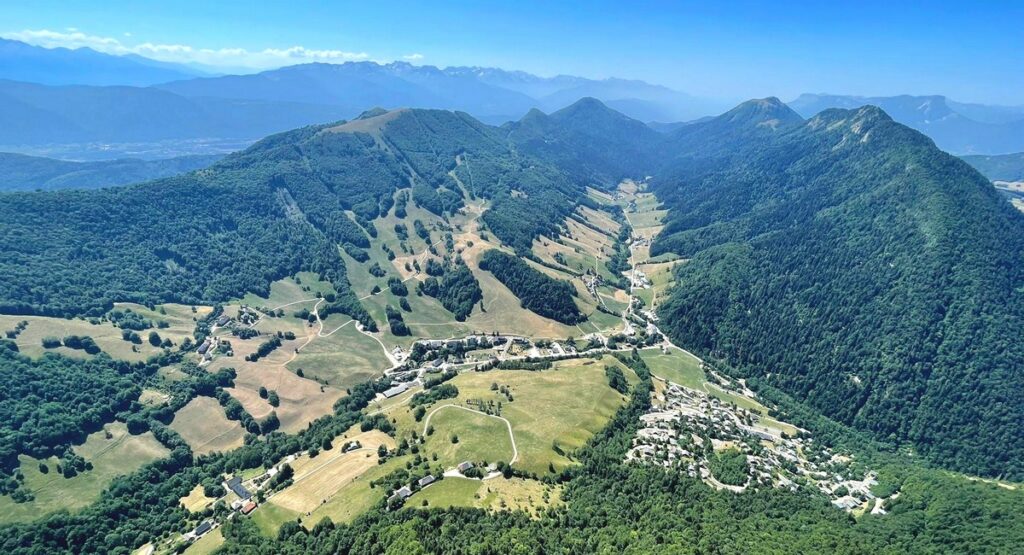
(537, 291)
(855, 266)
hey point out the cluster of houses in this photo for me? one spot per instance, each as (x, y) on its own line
(405, 492)
(638, 279)
(685, 426)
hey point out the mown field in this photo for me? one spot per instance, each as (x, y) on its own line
(551, 409)
(514, 494)
(202, 424)
(121, 453)
(331, 484)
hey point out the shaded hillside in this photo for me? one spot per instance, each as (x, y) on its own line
(592, 142)
(851, 263)
(27, 173)
(955, 127)
(264, 213)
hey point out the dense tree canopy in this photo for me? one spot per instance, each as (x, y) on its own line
(537, 291)
(866, 272)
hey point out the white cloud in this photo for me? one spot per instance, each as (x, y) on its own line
(182, 53)
(413, 57)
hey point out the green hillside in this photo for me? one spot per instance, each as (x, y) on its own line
(279, 207)
(852, 264)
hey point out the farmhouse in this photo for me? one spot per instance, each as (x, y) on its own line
(235, 485)
(426, 481)
(248, 508)
(203, 528)
(397, 390)
(464, 466)
(203, 347)
(404, 492)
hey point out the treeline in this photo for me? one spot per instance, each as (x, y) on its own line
(538, 292)
(457, 289)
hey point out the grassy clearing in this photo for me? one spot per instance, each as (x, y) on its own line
(270, 516)
(600, 219)
(302, 400)
(204, 427)
(481, 437)
(319, 479)
(324, 485)
(342, 359)
(305, 285)
(106, 335)
(196, 501)
(121, 454)
(676, 366)
(498, 494)
(503, 310)
(559, 408)
(152, 397)
(600, 196)
(356, 497)
(207, 544)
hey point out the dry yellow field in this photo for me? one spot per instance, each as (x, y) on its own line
(196, 501)
(204, 427)
(317, 480)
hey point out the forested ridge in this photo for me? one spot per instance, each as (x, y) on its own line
(264, 213)
(854, 265)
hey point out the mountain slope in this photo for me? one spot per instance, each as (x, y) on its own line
(955, 127)
(82, 66)
(27, 173)
(265, 213)
(849, 262)
(590, 141)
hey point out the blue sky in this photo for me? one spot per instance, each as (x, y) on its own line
(970, 51)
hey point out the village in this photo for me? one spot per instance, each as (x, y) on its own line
(685, 429)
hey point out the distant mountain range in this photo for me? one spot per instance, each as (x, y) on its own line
(492, 95)
(70, 97)
(84, 66)
(956, 127)
(62, 96)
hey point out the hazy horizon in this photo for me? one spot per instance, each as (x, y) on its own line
(728, 52)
